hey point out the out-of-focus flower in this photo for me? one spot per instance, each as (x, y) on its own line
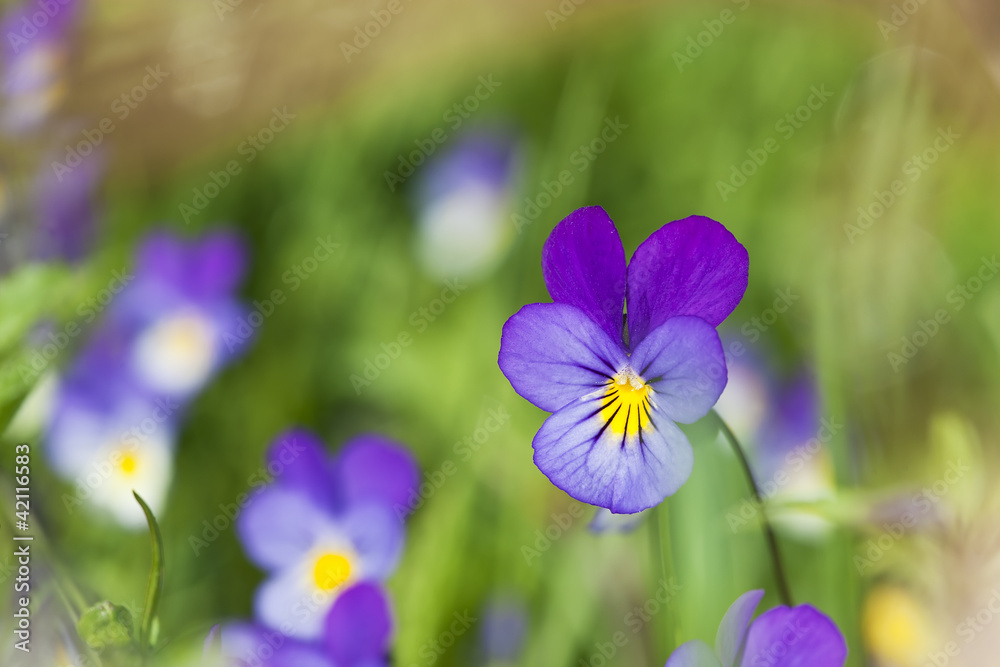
(613, 440)
(356, 632)
(502, 630)
(895, 627)
(66, 209)
(35, 54)
(324, 525)
(109, 440)
(780, 637)
(180, 313)
(746, 400)
(464, 196)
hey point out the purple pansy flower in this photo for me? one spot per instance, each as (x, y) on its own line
(356, 632)
(612, 439)
(781, 637)
(464, 196)
(180, 313)
(325, 524)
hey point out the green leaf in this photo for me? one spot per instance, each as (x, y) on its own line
(149, 628)
(105, 625)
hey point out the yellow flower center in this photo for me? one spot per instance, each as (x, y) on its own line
(128, 464)
(626, 403)
(330, 571)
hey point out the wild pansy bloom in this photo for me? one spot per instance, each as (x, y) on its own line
(616, 393)
(324, 525)
(781, 637)
(180, 313)
(107, 438)
(463, 198)
(503, 630)
(35, 54)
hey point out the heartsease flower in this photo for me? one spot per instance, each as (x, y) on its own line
(781, 637)
(324, 525)
(616, 395)
(356, 632)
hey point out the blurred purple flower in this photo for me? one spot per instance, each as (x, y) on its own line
(179, 313)
(463, 198)
(67, 210)
(356, 632)
(35, 53)
(325, 524)
(780, 637)
(612, 440)
(503, 629)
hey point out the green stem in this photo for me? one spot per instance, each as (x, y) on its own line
(659, 520)
(772, 541)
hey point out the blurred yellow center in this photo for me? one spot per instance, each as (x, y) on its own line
(330, 571)
(894, 626)
(188, 337)
(626, 403)
(128, 464)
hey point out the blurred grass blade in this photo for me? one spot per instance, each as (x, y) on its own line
(155, 585)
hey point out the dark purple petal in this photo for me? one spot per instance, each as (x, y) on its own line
(374, 469)
(160, 257)
(682, 360)
(579, 450)
(298, 460)
(735, 624)
(217, 263)
(553, 354)
(798, 637)
(279, 526)
(693, 266)
(359, 626)
(694, 653)
(376, 534)
(67, 208)
(584, 265)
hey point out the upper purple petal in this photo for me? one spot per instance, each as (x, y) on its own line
(584, 265)
(695, 653)
(359, 626)
(797, 637)
(299, 461)
(735, 624)
(554, 353)
(693, 266)
(683, 361)
(374, 469)
(377, 536)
